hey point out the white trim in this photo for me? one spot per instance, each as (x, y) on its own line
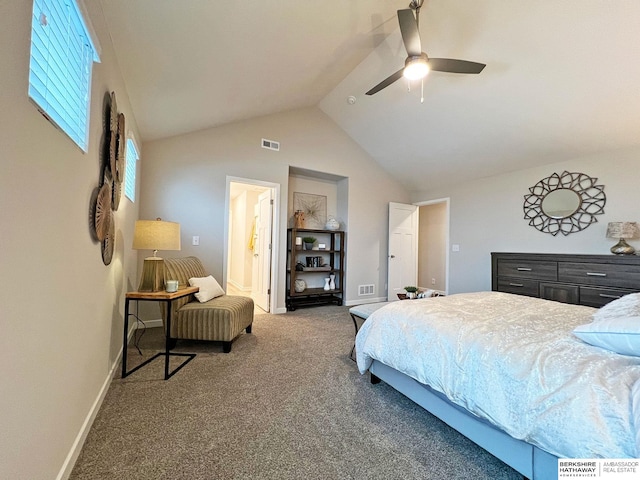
(131, 135)
(155, 323)
(90, 30)
(351, 303)
(237, 286)
(78, 443)
(128, 171)
(76, 448)
(275, 236)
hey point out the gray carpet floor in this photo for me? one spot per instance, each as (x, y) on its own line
(286, 403)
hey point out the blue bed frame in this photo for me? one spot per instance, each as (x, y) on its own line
(529, 460)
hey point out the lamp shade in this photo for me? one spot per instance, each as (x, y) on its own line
(156, 235)
(622, 230)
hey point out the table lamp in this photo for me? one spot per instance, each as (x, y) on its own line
(622, 231)
(155, 235)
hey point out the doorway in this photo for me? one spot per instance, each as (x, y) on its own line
(250, 235)
(418, 246)
(433, 241)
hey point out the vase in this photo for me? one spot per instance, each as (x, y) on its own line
(308, 246)
(332, 281)
(300, 285)
(298, 219)
(332, 224)
(327, 287)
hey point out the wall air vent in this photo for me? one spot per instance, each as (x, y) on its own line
(366, 289)
(270, 144)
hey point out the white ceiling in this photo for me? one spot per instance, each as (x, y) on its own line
(562, 78)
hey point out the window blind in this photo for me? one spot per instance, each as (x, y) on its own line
(62, 56)
(130, 170)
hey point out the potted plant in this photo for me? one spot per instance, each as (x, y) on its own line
(412, 292)
(308, 242)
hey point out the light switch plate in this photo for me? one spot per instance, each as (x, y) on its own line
(196, 240)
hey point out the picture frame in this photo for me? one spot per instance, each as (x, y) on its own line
(314, 208)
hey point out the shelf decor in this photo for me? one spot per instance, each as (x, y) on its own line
(322, 273)
(105, 198)
(314, 208)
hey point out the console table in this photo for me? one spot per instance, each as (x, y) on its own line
(161, 296)
(592, 280)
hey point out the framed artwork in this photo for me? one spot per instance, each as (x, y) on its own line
(314, 208)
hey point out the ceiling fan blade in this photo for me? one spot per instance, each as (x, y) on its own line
(455, 66)
(410, 32)
(386, 82)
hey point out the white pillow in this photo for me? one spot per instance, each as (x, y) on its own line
(620, 335)
(209, 288)
(627, 306)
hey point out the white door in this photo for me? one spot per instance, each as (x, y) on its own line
(403, 248)
(261, 282)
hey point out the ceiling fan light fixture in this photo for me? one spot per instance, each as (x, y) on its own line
(416, 68)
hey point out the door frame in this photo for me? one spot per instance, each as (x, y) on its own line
(263, 256)
(408, 211)
(446, 201)
(275, 234)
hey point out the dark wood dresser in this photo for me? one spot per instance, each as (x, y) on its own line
(592, 280)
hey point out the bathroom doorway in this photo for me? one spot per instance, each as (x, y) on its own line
(250, 237)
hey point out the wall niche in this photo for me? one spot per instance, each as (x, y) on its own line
(311, 186)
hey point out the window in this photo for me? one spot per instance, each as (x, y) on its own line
(62, 56)
(130, 170)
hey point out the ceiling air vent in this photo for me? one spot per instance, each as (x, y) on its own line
(270, 144)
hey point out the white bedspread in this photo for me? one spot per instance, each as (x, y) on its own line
(513, 361)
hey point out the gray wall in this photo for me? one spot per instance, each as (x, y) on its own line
(432, 246)
(184, 180)
(62, 308)
(487, 215)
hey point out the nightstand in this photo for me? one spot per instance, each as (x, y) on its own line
(161, 296)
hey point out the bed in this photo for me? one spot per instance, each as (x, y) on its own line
(510, 372)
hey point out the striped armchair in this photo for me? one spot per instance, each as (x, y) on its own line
(220, 319)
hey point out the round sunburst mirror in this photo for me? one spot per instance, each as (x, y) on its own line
(564, 203)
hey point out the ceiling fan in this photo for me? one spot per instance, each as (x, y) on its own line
(418, 64)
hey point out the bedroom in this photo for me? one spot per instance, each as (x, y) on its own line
(64, 350)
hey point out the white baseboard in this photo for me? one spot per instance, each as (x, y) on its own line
(238, 286)
(76, 448)
(362, 301)
(155, 323)
(78, 443)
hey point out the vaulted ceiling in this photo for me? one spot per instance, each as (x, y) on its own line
(562, 78)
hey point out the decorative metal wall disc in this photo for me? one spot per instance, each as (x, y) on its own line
(102, 215)
(113, 124)
(113, 154)
(92, 214)
(108, 244)
(116, 193)
(121, 141)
